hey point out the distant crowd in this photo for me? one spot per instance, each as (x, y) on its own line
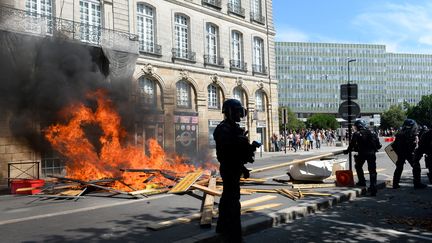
(305, 139)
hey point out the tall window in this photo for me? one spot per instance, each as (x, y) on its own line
(90, 17)
(181, 32)
(258, 53)
(40, 8)
(213, 96)
(147, 89)
(259, 101)
(236, 38)
(256, 7)
(236, 5)
(239, 95)
(183, 94)
(212, 43)
(145, 27)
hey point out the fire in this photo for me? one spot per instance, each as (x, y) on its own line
(87, 161)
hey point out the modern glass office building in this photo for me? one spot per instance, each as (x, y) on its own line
(310, 75)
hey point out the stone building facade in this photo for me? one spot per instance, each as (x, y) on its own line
(193, 54)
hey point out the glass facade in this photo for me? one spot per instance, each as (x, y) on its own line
(310, 75)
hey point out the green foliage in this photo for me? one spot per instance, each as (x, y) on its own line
(422, 112)
(393, 117)
(322, 121)
(293, 124)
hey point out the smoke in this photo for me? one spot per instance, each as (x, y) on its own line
(41, 76)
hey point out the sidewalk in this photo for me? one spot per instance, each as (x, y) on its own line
(256, 222)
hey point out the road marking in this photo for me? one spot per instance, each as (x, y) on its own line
(12, 221)
(387, 231)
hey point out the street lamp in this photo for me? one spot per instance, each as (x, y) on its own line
(349, 113)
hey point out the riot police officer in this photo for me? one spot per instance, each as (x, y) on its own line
(425, 147)
(233, 150)
(404, 145)
(366, 143)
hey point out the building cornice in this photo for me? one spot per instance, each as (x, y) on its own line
(223, 16)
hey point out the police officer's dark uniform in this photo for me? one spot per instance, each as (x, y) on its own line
(366, 143)
(404, 146)
(233, 151)
(425, 147)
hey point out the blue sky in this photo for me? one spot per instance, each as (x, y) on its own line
(404, 26)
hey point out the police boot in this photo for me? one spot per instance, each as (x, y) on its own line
(430, 177)
(396, 179)
(417, 179)
(373, 182)
(360, 175)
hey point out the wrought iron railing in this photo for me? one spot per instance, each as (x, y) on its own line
(213, 3)
(20, 21)
(236, 9)
(183, 54)
(150, 47)
(257, 17)
(259, 69)
(213, 60)
(238, 65)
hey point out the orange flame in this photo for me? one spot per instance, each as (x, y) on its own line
(85, 163)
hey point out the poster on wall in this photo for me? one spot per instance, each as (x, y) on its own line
(212, 124)
(186, 135)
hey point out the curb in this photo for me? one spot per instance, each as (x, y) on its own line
(285, 215)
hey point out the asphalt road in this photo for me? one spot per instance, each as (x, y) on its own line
(98, 218)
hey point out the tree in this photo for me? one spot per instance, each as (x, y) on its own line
(322, 121)
(293, 123)
(393, 117)
(422, 112)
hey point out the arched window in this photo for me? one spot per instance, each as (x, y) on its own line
(146, 27)
(239, 95)
(213, 97)
(183, 94)
(147, 90)
(259, 101)
(181, 32)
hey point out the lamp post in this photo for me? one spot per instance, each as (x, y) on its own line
(349, 113)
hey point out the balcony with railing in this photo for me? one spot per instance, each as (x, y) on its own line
(213, 60)
(236, 9)
(150, 48)
(20, 21)
(257, 17)
(183, 54)
(212, 3)
(238, 65)
(259, 69)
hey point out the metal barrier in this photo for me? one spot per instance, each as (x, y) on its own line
(23, 170)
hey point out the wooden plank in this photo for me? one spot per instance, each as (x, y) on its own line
(70, 193)
(207, 190)
(306, 186)
(186, 182)
(317, 194)
(207, 209)
(296, 162)
(261, 207)
(189, 218)
(147, 192)
(259, 190)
